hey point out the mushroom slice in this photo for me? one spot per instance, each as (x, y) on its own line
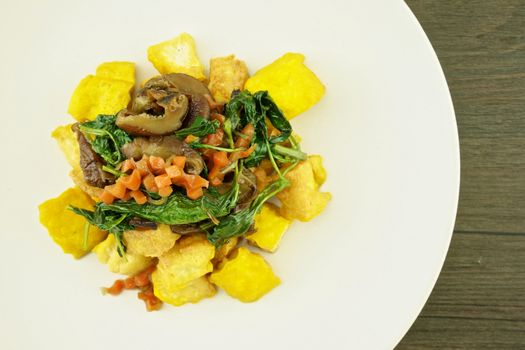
(144, 124)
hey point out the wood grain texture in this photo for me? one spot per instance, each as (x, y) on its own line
(479, 299)
(481, 46)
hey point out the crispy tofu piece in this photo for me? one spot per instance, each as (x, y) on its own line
(67, 141)
(78, 178)
(226, 75)
(176, 295)
(67, 228)
(129, 264)
(152, 243)
(187, 260)
(124, 71)
(245, 276)
(107, 92)
(317, 167)
(302, 200)
(96, 95)
(177, 55)
(293, 86)
(270, 228)
(180, 274)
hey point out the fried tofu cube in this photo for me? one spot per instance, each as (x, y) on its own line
(179, 276)
(187, 260)
(177, 55)
(190, 292)
(245, 276)
(270, 228)
(67, 141)
(317, 167)
(124, 71)
(96, 95)
(292, 85)
(67, 228)
(129, 264)
(226, 75)
(302, 200)
(152, 243)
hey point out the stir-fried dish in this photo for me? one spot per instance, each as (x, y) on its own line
(181, 180)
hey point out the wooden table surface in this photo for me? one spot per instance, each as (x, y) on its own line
(479, 299)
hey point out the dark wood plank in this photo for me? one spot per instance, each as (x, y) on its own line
(481, 46)
(478, 302)
(463, 334)
(479, 299)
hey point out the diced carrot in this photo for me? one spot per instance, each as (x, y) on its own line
(142, 278)
(116, 288)
(127, 196)
(190, 138)
(173, 171)
(139, 197)
(220, 159)
(165, 191)
(162, 180)
(214, 139)
(179, 161)
(247, 152)
(194, 181)
(247, 135)
(194, 193)
(107, 197)
(129, 283)
(142, 166)
(127, 165)
(131, 181)
(149, 183)
(157, 164)
(118, 190)
(216, 179)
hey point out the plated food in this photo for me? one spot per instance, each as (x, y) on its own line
(182, 179)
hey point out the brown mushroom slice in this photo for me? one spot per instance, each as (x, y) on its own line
(178, 82)
(165, 147)
(145, 124)
(199, 106)
(194, 89)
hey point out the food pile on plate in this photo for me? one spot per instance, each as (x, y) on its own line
(182, 180)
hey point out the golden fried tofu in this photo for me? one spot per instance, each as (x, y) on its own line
(226, 75)
(245, 276)
(224, 250)
(129, 264)
(293, 86)
(78, 178)
(319, 171)
(67, 228)
(177, 55)
(67, 141)
(152, 243)
(190, 292)
(96, 95)
(187, 260)
(270, 227)
(124, 71)
(302, 200)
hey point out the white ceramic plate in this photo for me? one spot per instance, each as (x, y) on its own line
(354, 278)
